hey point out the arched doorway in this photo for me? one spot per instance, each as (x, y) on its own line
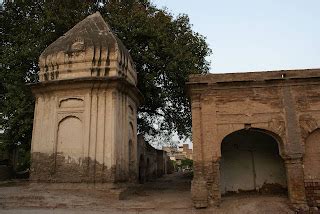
(312, 156)
(311, 162)
(250, 161)
(69, 148)
(70, 138)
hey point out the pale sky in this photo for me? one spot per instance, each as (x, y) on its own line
(255, 35)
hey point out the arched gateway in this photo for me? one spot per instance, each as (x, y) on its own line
(250, 161)
(249, 133)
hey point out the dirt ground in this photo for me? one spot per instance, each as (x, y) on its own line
(169, 194)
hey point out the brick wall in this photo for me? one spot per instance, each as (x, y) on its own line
(313, 192)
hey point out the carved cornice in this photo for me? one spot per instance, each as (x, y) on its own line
(119, 83)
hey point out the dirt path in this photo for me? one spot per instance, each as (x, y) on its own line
(170, 194)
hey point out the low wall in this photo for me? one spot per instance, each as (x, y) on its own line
(152, 162)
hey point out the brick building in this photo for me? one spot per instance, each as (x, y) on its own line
(256, 131)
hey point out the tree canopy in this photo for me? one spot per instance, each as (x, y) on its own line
(164, 48)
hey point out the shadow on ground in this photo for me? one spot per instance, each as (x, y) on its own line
(169, 194)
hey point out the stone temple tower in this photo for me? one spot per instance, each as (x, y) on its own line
(85, 126)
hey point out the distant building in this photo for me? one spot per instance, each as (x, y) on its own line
(170, 151)
(153, 163)
(180, 153)
(186, 151)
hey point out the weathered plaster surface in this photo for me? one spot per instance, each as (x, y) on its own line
(282, 104)
(85, 123)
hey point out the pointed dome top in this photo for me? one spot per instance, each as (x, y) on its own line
(89, 49)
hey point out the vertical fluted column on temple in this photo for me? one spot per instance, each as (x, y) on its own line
(199, 185)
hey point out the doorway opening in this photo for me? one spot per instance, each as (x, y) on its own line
(312, 156)
(250, 162)
(311, 162)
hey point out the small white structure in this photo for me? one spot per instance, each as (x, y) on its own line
(85, 126)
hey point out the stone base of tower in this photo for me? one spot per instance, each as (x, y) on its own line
(55, 168)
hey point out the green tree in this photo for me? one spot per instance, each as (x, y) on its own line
(164, 48)
(166, 51)
(187, 163)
